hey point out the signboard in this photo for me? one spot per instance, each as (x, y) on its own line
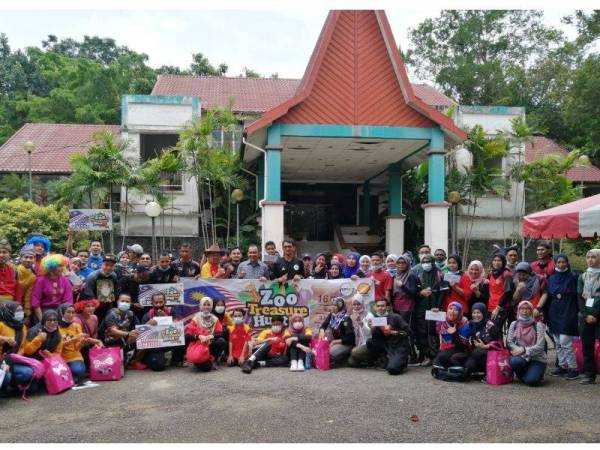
(173, 292)
(160, 336)
(263, 300)
(90, 219)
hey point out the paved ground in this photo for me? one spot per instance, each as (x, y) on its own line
(342, 405)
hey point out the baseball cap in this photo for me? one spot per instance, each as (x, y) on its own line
(306, 256)
(135, 248)
(109, 258)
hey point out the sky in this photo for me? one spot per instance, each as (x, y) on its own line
(265, 40)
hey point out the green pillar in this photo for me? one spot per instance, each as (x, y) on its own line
(366, 205)
(273, 163)
(395, 190)
(437, 167)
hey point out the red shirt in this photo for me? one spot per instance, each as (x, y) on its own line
(543, 267)
(497, 289)
(465, 284)
(238, 336)
(8, 283)
(383, 282)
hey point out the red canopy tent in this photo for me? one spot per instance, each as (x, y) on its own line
(578, 219)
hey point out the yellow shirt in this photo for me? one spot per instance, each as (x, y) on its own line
(205, 272)
(287, 334)
(31, 347)
(7, 331)
(70, 349)
(26, 280)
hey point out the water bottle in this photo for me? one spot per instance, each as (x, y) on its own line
(307, 361)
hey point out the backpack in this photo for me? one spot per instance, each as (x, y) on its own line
(453, 373)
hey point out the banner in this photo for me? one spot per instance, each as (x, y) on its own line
(173, 292)
(90, 219)
(159, 336)
(263, 300)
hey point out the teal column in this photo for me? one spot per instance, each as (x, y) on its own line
(273, 163)
(437, 167)
(366, 204)
(395, 190)
(260, 179)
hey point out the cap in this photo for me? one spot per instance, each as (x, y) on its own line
(306, 256)
(5, 245)
(135, 248)
(110, 258)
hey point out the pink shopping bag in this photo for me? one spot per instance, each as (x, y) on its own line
(105, 364)
(498, 370)
(322, 354)
(58, 376)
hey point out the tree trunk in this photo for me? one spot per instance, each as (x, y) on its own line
(110, 233)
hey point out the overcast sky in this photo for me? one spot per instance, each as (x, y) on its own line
(267, 41)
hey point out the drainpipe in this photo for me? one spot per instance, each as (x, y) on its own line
(264, 152)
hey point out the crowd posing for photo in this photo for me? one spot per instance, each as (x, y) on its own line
(54, 304)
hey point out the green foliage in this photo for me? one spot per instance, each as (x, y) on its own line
(19, 218)
(202, 66)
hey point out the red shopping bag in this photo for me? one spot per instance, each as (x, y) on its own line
(497, 367)
(197, 353)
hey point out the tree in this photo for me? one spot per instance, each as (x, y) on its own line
(249, 73)
(202, 66)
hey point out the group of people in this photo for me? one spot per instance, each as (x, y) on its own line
(55, 304)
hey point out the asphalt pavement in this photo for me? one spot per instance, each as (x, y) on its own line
(276, 405)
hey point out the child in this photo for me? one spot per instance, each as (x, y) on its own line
(239, 340)
(297, 338)
(271, 348)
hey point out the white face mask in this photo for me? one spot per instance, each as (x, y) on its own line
(560, 270)
(276, 329)
(426, 267)
(124, 306)
(298, 325)
(238, 320)
(19, 316)
(219, 309)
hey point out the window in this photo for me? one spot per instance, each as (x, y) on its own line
(228, 139)
(153, 145)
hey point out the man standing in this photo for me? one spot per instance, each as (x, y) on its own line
(235, 258)
(102, 284)
(253, 268)
(512, 258)
(287, 267)
(135, 252)
(213, 268)
(422, 250)
(308, 264)
(186, 266)
(382, 279)
(440, 260)
(9, 286)
(544, 265)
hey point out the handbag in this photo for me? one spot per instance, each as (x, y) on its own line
(58, 376)
(321, 349)
(497, 367)
(106, 364)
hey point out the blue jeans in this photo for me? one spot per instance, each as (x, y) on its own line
(529, 372)
(77, 369)
(18, 375)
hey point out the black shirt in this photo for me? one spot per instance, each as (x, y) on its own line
(158, 276)
(187, 269)
(283, 267)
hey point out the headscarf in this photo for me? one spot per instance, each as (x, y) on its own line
(53, 337)
(482, 271)
(291, 328)
(339, 266)
(525, 333)
(400, 275)
(477, 327)
(337, 318)
(532, 283)
(591, 277)
(364, 258)
(351, 270)
(408, 254)
(429, 278)
(341, 259)
(394, 258)
(497, 272)
(7, 316)
(210, 321)
(61, 312)
(27, 250)
(560, 283)
(458, 260)
(462, 327)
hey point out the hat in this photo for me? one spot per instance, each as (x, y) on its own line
(5, 245)
(214, 249)
(135, 248)
(306, 256)
(27, 250)
(110, 258)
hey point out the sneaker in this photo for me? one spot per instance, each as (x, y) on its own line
(572, 374)
(426, 363)
(587, 380)
(559, 372)
(300, 366)
(247, 366)
(136, 365)
(294, 366)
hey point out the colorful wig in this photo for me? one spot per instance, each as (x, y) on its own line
(39, 239)
(54, 261)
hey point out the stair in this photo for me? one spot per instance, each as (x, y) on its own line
(314, 247)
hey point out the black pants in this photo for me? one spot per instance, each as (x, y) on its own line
(155, 359)
(425, 336)
(296, 353)
(409, 318)
(588, 337)
(449, 358)
(397, 356)
(216, 348)
(262, 353)
(476, 362)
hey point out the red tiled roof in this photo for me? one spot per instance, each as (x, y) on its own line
(256, 94)
(541, 146)
(54, 145)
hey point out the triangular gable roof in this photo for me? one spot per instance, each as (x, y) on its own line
(342, 90)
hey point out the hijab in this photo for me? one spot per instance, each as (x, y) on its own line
(7, 316)
(560, 283)
(479, 264)
(478, 327)
(394, 258)
(497, 272)
(291, 328)
(61, 312)
(525, 333)
(210, 321)
(351, 270)
(429, 278)
(341, 259)
(591, 277)
(338, 317)
(408, 254)
(53, 337)
(340, 269)
(532, 283)
(459, 322)
(400, 275)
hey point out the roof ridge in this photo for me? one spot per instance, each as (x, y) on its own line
(226, 77)
(72, 124)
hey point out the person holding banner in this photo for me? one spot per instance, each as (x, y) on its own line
(271, 351)
(287, 267)
(297, 338)
(164, 271)
(338, 328)
(253, 268)
(206, 329)
(320, 269)
(459, 282)
(186, 267)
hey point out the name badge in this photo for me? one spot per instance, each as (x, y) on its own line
(558, 296)
(589, 303)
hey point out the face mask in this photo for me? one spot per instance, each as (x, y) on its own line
(298, 325)
(238, 320)
(560, 270)
(124, 306)
(376, 267)
(440, 265)
(427, 267)
(276, 329)
(522, 317)
(19, 316)
(219, 309)
(380, 314)
(357, 309)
